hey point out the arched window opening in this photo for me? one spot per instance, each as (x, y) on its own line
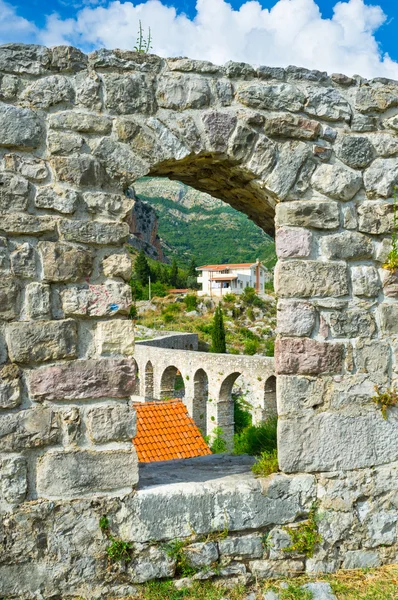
(149, 380)
(201, 395)
(172, 384)
(270, 407)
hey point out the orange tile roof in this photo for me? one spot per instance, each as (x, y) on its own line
(166, 431)
(226, 266)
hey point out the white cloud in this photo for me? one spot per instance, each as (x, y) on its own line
(291, 32)
(14, 27)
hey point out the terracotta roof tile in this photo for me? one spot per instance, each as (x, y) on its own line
(165, 431)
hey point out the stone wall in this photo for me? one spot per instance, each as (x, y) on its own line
(319, 151)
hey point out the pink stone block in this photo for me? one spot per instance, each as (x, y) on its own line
(307, 357)
(293, 242)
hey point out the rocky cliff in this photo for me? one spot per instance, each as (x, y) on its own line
(143, 224)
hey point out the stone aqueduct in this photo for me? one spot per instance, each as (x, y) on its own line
(314, 156)
(208, 380)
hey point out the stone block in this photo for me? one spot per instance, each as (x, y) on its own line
(88, 90)
(68, 59)
(319, 215)
(389, 318)
(351, 323)
(111, 423)
(293, 242)
(20, 127)
(376, 217)
(373, 357)
(328, 104)
(63, 201)
(86, 473)
(118, 265)
(246, 546)
(121, 163)
(390, 283)
(41, 341)
(310, 278)
(271, 97)
(115, 337)
(128, 94)
(381, 528)
(10, 298)
(84, 379)
(201, 555)
(81, 122)
(14, 193)
(381, 177)
(354, 150)
(292, 126)
(13, 482)
(361, 559)
(378, 98)
(180, 92)
(385, 144)
(365, 281)
(299, 394)
(24, 58)
(293, 168)
(60, 142)
(93, 232)
(4, 257)
(304, 356)
(24, 224)
(97, 300)
(63, 262)
(49, 91)
(295, 318)
(23, 261)
(348, 245)
(276, 569)
(9, 87)
(108, 205)
(320, 590)
(31, 428)
(154, 564)
(30, 167)
(277, 541)
(80, 170)
(37, 301)
(337, 181)
(333, 441)
(10, 387)
(350, 219)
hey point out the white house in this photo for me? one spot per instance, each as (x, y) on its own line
(218, 280)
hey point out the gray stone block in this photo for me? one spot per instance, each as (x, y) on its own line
(79, 170)
(10, 298)
(37, 301)
(49, 91)
(14, 193)
(275, 569)
(111, 424)
(109, 299)
(337, 181)
(20, 127)
(310, 278)
(349, 245)
(10, 389)
(201, 554)
(81, 473)
(63, 262)
(246, 546)
(24, 224)
(31, 428)
(93, 232)
(320, 590)
(361, 559)
(42, 341)
(13, 482)
(317, 215)
(63, 201)
(155, 564)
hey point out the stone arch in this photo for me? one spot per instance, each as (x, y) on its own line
(168, 382)
(270, 408)
(149, 381)
(200, 398)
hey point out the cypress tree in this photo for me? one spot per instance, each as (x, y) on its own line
(218, 332)
(174, 273)
(141, 267)
(192, 272)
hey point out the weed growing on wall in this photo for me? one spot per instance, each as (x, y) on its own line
(175, 551)
(305, 536)
(266, 464)
(385, 400)
(143, 45)
(392, 259)
(117, 550)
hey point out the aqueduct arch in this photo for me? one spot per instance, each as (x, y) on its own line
(319, 151)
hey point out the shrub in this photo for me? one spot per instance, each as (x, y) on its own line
(191, 302)
(256, 439)
(218, 445)
(386, 399)
(305, 536)
(230, 298)
(218, 332)
(242, 416)
(392, 259)
(266, 464)
(251, 347)
(269, 347)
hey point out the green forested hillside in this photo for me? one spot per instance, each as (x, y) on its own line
(196, 225)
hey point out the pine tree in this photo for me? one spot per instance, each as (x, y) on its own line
(174, 273)
(218, 332)
(141, 268)
(192, 272)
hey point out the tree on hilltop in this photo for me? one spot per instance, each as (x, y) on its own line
(218, 332)
(174, 273)
(141, 268)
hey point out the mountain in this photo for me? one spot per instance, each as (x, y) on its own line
(194, 224)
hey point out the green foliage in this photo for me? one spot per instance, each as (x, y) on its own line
(133, 314)
(179, 383)
(175, 550)
(104, 523)
(143, 46)
(255, 439)
(191, 302)
(270, 347)
(141, 268)
(218, 445)
(174, 273)
(242, 415)
(118, 550)
(294, 592)
(392, 259)
(266, 464)
(218, 332)
(192, 272)
(385, 400)
(251, 347)
(305, 536)
(230, 298)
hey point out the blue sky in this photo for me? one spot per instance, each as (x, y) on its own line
(351, 36)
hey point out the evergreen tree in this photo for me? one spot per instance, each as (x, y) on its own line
(192, 272)
(218, 332)
(141, 268)
(174, 273)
